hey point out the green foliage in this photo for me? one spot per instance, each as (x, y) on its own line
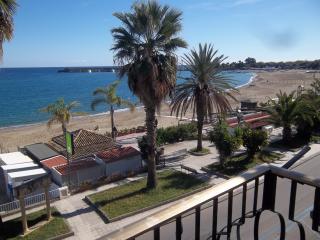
(7, 10)
(253, 140)
(60, 112)
(176, 133)
(143, 146)
(205, 91)
(225, 142)
(289, 109)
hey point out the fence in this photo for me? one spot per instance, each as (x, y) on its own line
(34, 200)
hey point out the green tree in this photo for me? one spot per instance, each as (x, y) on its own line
(286, 110)
(253, 140)
(145, 48)
(108, 96)
(7, 10)
(60, 113)
(225, 142)
(250, 62)
(205, 91)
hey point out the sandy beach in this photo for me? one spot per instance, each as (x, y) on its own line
(264, 85)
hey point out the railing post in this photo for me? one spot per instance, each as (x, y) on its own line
(316, 210)
(197, 222)
(179, 229)
(269, 191)
(214, 218)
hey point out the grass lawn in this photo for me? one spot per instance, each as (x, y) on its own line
(57, 226)
(134, 196)
(240, 163)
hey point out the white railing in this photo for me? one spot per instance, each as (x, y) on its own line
(29, 201)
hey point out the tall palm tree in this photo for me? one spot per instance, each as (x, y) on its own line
(60, 113)
(144, 48)
(206, 91)
(286, 110)
(7, 10)
(108, 96)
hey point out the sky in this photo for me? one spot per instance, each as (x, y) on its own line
(77, 32)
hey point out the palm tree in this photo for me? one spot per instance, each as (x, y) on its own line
(206, 90)
(144, 48)
(7, 10)
(286, 110)
(107, 95)
(60, 113)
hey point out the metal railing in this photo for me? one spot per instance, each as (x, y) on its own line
(30, 201)
(266, 175)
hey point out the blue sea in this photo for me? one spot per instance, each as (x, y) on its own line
(23, 91)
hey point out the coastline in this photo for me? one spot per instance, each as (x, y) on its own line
(262, 84)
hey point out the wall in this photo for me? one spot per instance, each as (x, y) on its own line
(124, 165)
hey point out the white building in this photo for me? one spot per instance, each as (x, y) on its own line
(14, 158)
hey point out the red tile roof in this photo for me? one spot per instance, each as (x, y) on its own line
(54, 161)
(117, 154)
(76, 166)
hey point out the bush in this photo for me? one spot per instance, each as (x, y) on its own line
(253, 140)
(143, 146)
(176, 133)
(225, 142)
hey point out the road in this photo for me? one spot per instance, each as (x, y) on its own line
(269, 224)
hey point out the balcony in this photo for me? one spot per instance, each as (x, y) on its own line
(265, 202)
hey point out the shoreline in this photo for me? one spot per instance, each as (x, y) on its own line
(17, 126)
(262, 84)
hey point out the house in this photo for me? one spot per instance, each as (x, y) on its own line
(19, 177)
(14, 158)
(82, 171)
(39, 151)
(86, 143)
(121, 161)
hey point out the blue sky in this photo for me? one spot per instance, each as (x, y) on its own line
(77, 32)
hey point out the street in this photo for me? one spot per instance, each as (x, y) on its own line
(269, 223)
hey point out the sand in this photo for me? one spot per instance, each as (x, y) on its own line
(264, 85)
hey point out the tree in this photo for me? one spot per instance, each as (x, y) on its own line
(205, 91)
(60, 113)
(250, 62)
(108, 96)
(7, 10)
(286, 110)
(253, 140)
(225, 142)
(144, 47)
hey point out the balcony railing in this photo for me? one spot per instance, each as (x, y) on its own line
(175, 220)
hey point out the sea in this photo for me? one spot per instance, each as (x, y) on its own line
(23, 91)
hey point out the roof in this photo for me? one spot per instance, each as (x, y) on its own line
(86, 143)
(54, 161)
(11, 167)
(40, 151)
(254, 120)
(76, 166)
(117, 154)
(14, 158)
(27, 173)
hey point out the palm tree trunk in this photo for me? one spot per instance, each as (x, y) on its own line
(200, 117)
(151, 141)
(64, 129)
(286, 133)
(113, 135)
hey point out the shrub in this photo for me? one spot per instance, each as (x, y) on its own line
(225, 142)
(143, 146)
(176, 133)
(253, 140)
